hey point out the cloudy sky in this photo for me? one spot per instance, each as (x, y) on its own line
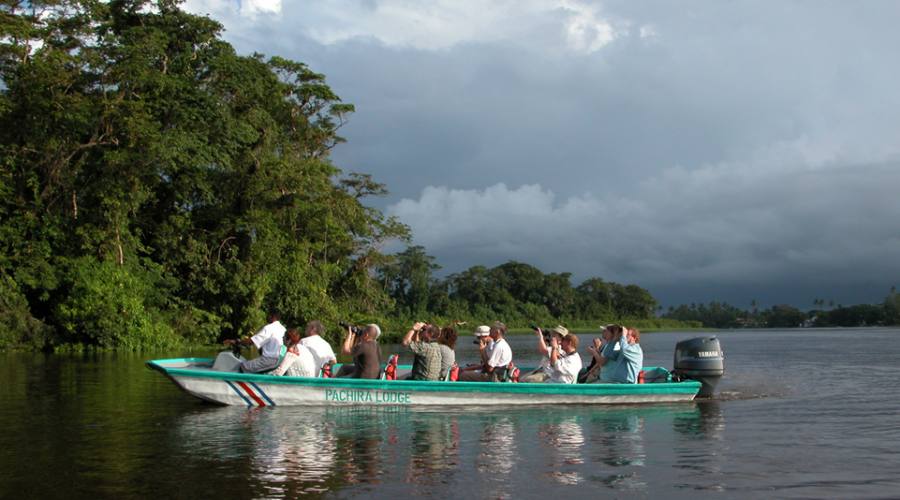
(704, 150)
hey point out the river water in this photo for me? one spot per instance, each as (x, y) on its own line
(800, 414)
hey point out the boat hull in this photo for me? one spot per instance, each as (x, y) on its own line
(195, 377)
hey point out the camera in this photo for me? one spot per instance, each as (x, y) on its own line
(353, 328)
(547, 334)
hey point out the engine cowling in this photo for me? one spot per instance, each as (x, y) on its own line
(700, 359)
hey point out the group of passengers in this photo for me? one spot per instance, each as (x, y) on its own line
(285, 352)
(616, 356)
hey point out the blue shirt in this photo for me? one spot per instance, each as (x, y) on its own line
(623, 365)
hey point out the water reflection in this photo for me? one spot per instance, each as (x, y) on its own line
(563, 441)
(497, 454)
(617, 441)
(434, 449)
(621, 440)
(706, 421)
(701, 447)
(296, 451)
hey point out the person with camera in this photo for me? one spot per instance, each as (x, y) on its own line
(322, 352)
(545, 341)
(622, 358)
(420, 339)
(298, 361)
(485, 343)
(268, 340)
(595, 370)
(498, 357)
(565, 362)
(362, 344)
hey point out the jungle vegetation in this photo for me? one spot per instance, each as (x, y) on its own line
(158, 188)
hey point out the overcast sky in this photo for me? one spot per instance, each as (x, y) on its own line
(703, 150)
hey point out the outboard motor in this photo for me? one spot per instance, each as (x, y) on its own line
(700, 359)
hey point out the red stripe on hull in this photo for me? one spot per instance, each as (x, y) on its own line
(252, 394)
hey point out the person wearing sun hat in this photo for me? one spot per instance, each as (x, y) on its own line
(484, 341)
(499, 355)
(545, 369)
(565, 362)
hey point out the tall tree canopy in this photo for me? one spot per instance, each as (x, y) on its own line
(153, 181)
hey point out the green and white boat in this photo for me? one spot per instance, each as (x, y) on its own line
(196, 377)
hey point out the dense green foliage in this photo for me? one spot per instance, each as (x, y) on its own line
(156, 186)
(519, 293)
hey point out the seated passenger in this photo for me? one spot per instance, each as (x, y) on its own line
(447, 343)
(499, 357)
(484, 343)
(623, 356)
(427, 361)
(298, 361)
(268, 340)
(321, 350)
(592, 372)
(565, 362)
(542, 372)
(364, 348)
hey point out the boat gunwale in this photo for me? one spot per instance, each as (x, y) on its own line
(598, 389)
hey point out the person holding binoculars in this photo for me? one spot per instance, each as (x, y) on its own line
(361, 344)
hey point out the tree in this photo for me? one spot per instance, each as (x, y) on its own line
(594, 299)
(783, 316)
(891, 307)
(139, 148)
(633, 301)
(408, 280)
(558, 295)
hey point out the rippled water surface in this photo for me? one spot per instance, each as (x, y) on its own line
(801, 413)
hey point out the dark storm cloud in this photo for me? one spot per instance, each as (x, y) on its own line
(702, 149)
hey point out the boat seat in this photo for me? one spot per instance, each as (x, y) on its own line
(654, 375)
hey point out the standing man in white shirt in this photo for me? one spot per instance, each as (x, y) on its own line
(322, 352)
(500, 357)
(268, 340)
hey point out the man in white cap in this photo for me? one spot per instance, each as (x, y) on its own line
(483, 340)
(498, 358)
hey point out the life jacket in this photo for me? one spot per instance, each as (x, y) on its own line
(326, 370)
(641, 377)
(390, 370)
(512, 372)
(454, 373)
